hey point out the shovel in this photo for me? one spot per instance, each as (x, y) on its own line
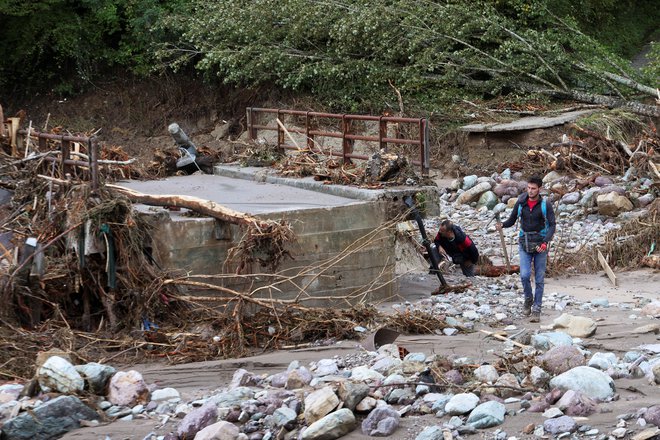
(434, 255)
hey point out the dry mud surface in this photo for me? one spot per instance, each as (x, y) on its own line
(614, 334)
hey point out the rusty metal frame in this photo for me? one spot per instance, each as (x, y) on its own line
(65, 162)
(346, 135)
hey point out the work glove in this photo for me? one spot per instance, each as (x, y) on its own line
(542, 247)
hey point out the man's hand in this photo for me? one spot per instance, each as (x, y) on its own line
(498, 226)
(542, 247)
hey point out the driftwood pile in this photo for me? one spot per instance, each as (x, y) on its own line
(588, 152)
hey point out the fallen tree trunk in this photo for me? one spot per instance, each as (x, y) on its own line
(203, 206)
(633, 106)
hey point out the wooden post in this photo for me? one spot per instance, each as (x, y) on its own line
(606, 267)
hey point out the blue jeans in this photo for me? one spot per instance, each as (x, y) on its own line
(538, 259)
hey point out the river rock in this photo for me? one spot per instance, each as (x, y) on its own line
(298, 378)
(486, 374)
(603, 181)
(645, 200)
(365, 374)
(487, 415)
(461, 403)
(96, 376)
(571, 198)
(576, 326)
(58, 374)
(49, 420)
(652, 415)
(320, 403)
(473, 193)
(602, 361)
(545, 341)
(612, 204)
(218, 431)
(560, 424)
(127, 388)
(575, 403)
(651, 309)
(352, 393)
(560, 359)
(381, 422)
(592, 382)
(197, 419)
(332, 426)
(539, 377)
(469, 181)
(487, 199)
(509, 385)
(552, 176)
(434, 432)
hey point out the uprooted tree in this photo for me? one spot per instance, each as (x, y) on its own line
(348, 53)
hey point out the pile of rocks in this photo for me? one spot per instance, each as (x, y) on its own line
(555, 375)
(608, 196)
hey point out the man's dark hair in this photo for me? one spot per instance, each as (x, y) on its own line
(536, 180)
(446, 223)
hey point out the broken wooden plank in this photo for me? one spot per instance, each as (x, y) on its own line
(607, 268)
(504, 338)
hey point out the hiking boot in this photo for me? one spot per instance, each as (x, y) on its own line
(536, 317)
(527, 307)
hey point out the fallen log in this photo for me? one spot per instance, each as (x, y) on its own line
(203, 206)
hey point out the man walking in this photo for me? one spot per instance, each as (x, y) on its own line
(458, 246)
(537, 226)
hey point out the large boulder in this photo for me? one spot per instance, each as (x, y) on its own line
(560, 359)
(613, 204)
(473, 193)
(576, 326)
(48, 421)
(332, 426)
(594, 383)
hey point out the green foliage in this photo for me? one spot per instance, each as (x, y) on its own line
(351, 53)
(58, 41)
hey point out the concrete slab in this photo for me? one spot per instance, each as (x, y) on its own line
(241, 195)
(530, 123)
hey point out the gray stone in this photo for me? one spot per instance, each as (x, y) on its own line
(561, 359)
(283, 416)
(381, 422)
(602, 361)
(365, 374)
(243, 378)
(232, 398)
(539, 377)
(332, 426)
(486, 374)
(600, 302)
(545, 341)
(571, 198)
(96, 376)
(461, 404)
(165, 394)
(508, 384)
(326, 367)
(196, 420)
(559, 425)
(431, 433)
(469, 182)
(603, 181)
(487, 415)
(487, 199)
(49, 420)
(645, 200)
(352, 393)
(551, 413)
(592, 382)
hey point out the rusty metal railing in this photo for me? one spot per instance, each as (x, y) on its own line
(65, 162)
(347, 136)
